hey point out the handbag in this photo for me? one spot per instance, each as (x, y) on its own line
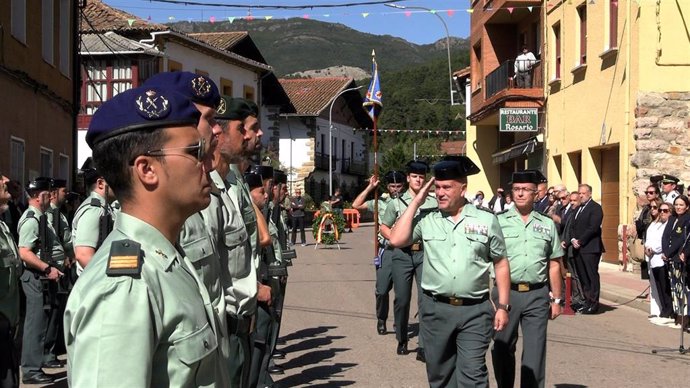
(637, 251)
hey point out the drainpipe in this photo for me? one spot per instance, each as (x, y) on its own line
(627, 134)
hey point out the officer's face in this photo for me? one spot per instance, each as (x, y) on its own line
(394, 189)
(283, 192)
(524, 194)
(252, 135)
(44, 200)
(231, 141)
(415, 181)
(208, 127)
(450, 194)
(58, 195)
(259, 196)
(668, 187)
(268, 186)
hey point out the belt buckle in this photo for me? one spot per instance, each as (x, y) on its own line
(455, 301)
(523, 287)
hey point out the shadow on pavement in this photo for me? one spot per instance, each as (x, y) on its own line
(311, 344)
(308, 332)
(323, 372)
(569, 386)
(312, 358)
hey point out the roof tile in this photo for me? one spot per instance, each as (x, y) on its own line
(221, 40)
(310, 96)
(100, 17)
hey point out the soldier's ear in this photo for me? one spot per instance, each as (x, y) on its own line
(146, 171)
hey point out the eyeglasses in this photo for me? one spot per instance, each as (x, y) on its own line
(523, 190)
(654, 207)
(562, 198)
(197, 151)
(664, 210)
(650, 192)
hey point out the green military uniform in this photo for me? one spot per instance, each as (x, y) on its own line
(456, 321)
(155, 328)
(241, 288)
(42, 312)
(384, 270)
(86, 225)
(241, 193)
(531, 246)
(199, 239)
(406, 263)
(10, 269)
(56, 218)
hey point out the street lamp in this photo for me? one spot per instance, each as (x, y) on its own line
(330, 138)
(450, 69)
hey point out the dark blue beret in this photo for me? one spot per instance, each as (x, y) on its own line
(457, 167)
(266, 172)
(279, 177)
(196, 87)
(417, 167)
(395, 177)
(39, 184)
(253, 180)
(525, 177)
(236, 108)
(138, 109)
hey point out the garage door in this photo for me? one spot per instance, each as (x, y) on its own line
(610, 200)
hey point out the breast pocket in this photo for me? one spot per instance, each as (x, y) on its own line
(479, 245)
(193, 348)
(239, 259)
(542, 244)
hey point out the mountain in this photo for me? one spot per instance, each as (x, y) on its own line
(298, 44)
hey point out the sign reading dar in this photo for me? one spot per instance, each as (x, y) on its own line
(518, 120)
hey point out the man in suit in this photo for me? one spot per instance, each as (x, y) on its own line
(498, 202)
(585, 237)
(567, 217)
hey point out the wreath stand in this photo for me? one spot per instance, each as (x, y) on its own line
(327, 226)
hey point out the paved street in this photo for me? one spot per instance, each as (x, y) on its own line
(329, 328)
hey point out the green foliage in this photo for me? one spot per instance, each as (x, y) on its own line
(328, 239)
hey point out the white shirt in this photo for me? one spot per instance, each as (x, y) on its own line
(524, 62)
(655, 230)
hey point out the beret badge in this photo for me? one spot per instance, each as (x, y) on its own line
(152, 106)
(201, 86)
(222, 107)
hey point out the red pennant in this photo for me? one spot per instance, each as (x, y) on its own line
(451, 12)
(510, 9)
(305, 16)
(249, 18)
(212, 19)
(408, 13)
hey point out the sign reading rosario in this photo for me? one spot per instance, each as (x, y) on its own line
(518, 120)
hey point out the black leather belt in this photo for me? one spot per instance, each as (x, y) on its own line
(239, 325)
(413, 248)
(456, 301)
(524, 287)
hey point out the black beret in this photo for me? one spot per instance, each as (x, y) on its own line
(59, 183)
(525, 177)
(395, 177)
(417, 167)
(266, 172)
(138, 109)
(236, 108)
(71, 196)
(39, 184)
(91, 175)
(459, 167)
(253, 180)
(279, 177)
(540, 176)
(199, 88)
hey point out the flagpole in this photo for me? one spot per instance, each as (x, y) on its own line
(372, 103)
(376, 191)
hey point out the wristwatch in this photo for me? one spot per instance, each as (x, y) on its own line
(46, 271)
(505, 307)
(556, 300)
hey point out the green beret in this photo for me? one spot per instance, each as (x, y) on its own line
(236, 108)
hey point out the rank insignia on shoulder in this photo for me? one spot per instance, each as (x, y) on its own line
(125, 258)
(503, 211)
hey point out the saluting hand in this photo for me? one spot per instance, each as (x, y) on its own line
(373, 181)
(424, 192)
(500, 319)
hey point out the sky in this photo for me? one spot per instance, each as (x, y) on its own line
(417, 26)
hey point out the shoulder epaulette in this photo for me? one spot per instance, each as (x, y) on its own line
(126, 258)
(30, 214)
(484, 209)
(95, 202)
(544, 214)
(502, 211)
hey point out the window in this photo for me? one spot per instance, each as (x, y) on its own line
(352, 151)
(613, 24)
(46, 162)
(65, 36)
(174, 66)
(18, 15)
(323, 144)
(201, 72)
(557, 50)
(582, 13)
(104, 80)
(63, 168)
(226, 86)
(17, 159)
(249, 93)
(47, 41)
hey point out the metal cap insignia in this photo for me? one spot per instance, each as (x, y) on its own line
(152, 106)
(222, 107)
(201, 86)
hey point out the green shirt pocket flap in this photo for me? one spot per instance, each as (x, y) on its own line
(194, 347)
(235, 237)
(480, 238)
(510, 235)
(433, 238)
(199, 249)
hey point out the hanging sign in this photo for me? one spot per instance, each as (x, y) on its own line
(518, 120)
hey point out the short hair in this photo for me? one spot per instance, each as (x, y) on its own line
(589, 188)
(656, 189)
(113, 157)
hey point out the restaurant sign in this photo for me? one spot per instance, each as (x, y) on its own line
(518, 120)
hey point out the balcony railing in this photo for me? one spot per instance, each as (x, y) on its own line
(321, 161)
(505, 77)
(347, 166)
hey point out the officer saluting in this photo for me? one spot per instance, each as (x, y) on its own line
(140, 289)
(461, 243)
(535, 255)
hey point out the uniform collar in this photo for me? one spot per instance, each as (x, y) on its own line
(153, 243)
(533, 215)
(218, 180)
(99, 197)
(53, 206)
(36, 210)
(468, 211)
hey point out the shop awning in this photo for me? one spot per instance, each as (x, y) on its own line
(524, 147)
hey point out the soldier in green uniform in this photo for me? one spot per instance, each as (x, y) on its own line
(384, 266)
(58, 192)
(461, 243)
(43, 256)
(535, 255)
(10, 269)
(407, 260)
(140, 289)
(94, 218)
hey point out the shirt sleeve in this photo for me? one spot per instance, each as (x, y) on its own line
(101, 327)
(28, 233)
(497, 243)
(417, 227)
(556, 249)
(390, 215)
(85, 233)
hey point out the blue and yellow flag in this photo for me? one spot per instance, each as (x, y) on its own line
(373, 101)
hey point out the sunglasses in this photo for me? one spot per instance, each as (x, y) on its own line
(197, 151)
(664, 210)
(562, 198)
(650, 192)
(654, 207)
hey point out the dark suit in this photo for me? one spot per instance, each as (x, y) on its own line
(567, 217)
(497, 197)
(542, 204)
(586, 228)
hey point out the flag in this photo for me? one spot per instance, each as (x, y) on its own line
(373, 101)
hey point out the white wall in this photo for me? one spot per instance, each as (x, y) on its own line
(294, 150)
(340, 132)
(83, 149)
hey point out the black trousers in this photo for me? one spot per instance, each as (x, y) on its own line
(298, 222)
(663, 287)
(9, 356)
(587, 265)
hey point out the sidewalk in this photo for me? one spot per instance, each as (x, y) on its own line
(623, 288)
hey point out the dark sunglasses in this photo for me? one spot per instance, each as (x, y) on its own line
(197, 151)
(650, 192)
(654, 207)
(664, 210)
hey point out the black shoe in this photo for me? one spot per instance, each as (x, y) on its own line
(38, 378)
(381, 327)
(577, 306)
(54, 364)
(420, 355)
(278, 355)
(402, 349)
(590, 310)
(276, 370)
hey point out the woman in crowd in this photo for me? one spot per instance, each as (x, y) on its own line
(674, 241)
(478, 200)
(643, 221)
(509, 201)
(661, 305)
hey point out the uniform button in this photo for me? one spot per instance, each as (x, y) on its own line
(206, 344)
(453, 277)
